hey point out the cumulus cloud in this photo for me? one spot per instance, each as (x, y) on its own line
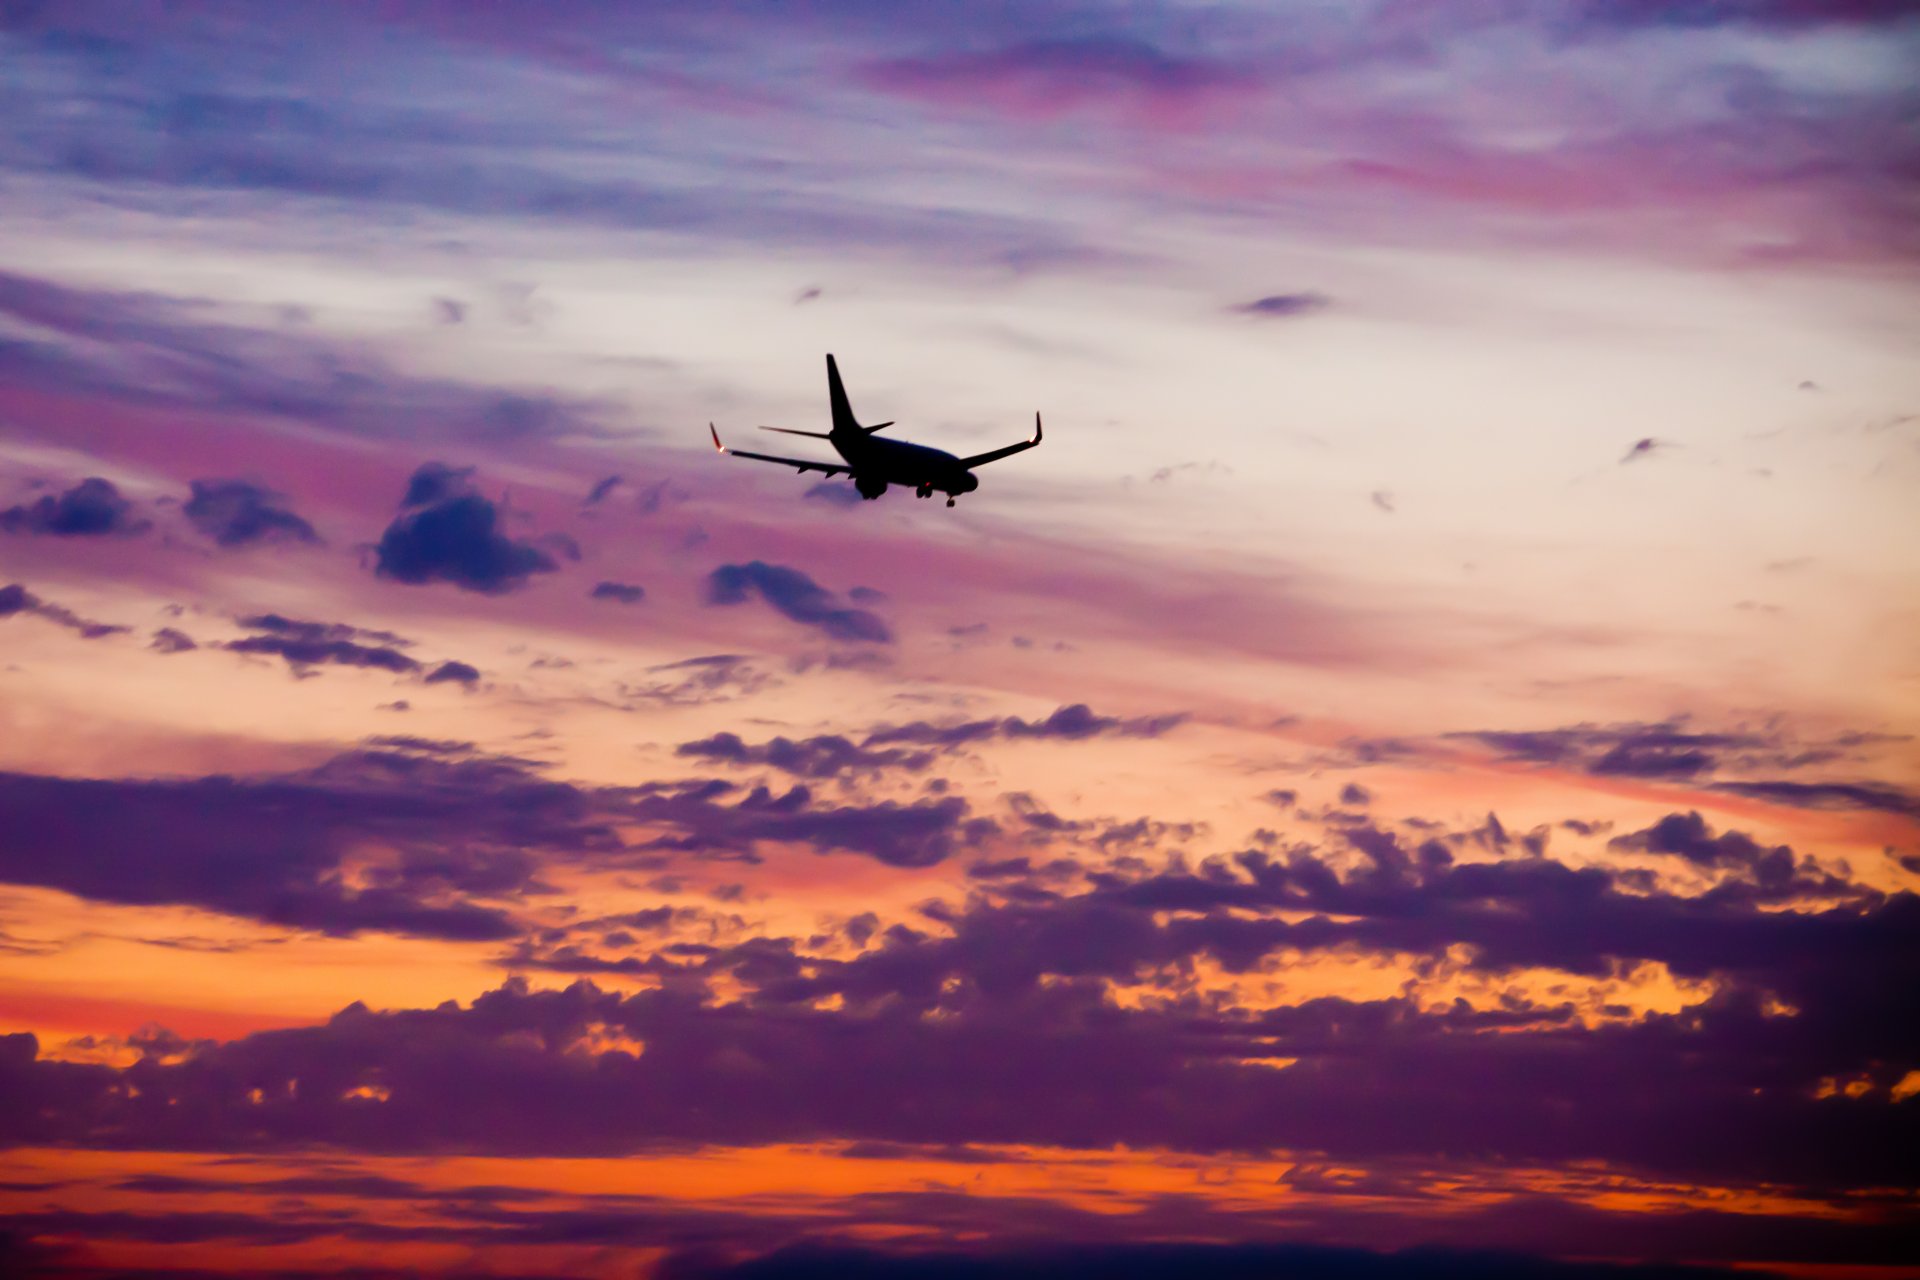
(92, 508)
(448, 532)
(796, 596)
(239, 513)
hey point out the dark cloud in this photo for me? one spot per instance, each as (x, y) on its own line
(446, 532)
(1284, 305)
(306, 644)
(303, 629)
(15, 598)
(621, 592)
(1633, 750)
(920, 834)
(91, 508)
(449, 311)
(301, 653)
(275, 848)
(825, 756)
(795, 595)
(238, 513)
(455, 673)
(433, 482)
(601, 489)
(1830, 795)
(1077, 722)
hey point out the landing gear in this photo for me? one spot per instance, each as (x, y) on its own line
(924, 491)
(869, 488)
(949, 501)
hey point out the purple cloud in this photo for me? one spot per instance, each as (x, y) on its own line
(619, 592)
(15, 598)
(92, 508)
(796, 596)
(447, 532)
(239, 513)
(1074, 723)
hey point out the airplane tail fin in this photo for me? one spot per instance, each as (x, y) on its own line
(844, 423)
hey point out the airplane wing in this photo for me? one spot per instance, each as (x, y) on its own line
(996, 454)
(802, 465)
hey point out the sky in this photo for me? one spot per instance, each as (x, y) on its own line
(1415, 776)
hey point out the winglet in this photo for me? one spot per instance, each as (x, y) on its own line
(716, 438)
(1036, 426)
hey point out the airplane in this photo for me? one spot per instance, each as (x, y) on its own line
(875, 463)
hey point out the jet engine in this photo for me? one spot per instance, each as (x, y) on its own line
(869, 487)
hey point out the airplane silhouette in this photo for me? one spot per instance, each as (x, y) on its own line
(874, 463)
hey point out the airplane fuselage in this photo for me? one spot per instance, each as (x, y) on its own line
(919, 467)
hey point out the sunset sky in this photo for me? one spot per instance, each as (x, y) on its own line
(1419, 763)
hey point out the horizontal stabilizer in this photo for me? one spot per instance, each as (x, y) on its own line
(795, 431)
(802, 465)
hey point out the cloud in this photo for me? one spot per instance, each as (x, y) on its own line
(157, 350)
(301, 653)
(824, 756)
(1074, 723)
(15, 598)
(434, 482)
(169, 640)
(1829, 795)
(796, 596)
(620, 592)
(238, 513)
(1662, 750)
(446, 532)
(277, 847)
(921, 834)
(92, 508)
(1282, 305)
(305, 644)
(600, 490)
